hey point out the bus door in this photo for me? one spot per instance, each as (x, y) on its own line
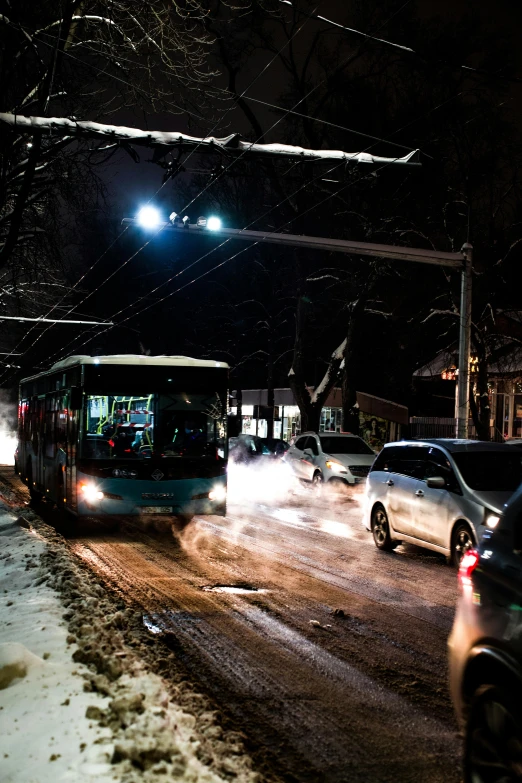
(38, 442)
(48, 447)
(73, 428)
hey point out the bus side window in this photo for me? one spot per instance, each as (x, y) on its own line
(50, 416)
(61, 424)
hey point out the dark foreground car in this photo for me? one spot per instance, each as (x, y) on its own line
(485, 652)
(247, 448)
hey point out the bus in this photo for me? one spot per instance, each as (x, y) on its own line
(116, 436)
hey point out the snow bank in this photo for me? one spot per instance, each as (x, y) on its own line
(77, 700)
(42, 700)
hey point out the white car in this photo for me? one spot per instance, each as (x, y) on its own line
(330, 457)
(441, 494)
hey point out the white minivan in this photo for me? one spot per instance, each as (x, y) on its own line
(440, 494)
(333, 457)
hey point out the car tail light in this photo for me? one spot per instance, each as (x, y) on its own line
(469, 562)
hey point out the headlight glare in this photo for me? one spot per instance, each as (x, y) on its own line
(335, 467)
(492, 520)
(218, 493)
(91, 493)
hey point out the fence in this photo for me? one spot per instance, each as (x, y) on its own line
(437, 427)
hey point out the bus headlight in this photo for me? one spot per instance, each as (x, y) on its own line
(218, 493)
(91, 493)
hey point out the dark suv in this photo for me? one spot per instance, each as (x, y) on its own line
(485, 652)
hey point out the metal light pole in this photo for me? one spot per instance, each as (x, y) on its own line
(462, 261)
(464, 343)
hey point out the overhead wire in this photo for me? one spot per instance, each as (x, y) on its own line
(190, 202)
(285, 110)
(351, 57)
(407, 49)
(222, 263)
(230, 258)
(117, 78)
(252, 82)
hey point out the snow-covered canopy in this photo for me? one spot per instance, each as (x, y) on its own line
(232, 144)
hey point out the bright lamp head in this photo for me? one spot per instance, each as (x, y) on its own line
(148, 217)
(214, 223)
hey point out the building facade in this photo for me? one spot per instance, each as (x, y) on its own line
(436, 386)
(381, 421)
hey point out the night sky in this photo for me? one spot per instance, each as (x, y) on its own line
(445, 34)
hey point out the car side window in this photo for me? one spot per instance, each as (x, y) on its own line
(437, 464)
(388, 460)
(413, 461)
(311, 444)
(301, 444)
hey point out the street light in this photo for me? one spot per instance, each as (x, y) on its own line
(214, 223)
(148, 217)
(461, 261)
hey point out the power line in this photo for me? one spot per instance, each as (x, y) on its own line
(325, 122)
(351, 57)
(306, 184)
(43, 320)
(119, 79)
(222, 263)
(287, 43)
(407, 49)
(272, 105)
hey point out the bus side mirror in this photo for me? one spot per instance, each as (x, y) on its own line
(75, 398)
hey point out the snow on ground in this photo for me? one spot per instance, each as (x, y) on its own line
(42, 702)
(77, 703)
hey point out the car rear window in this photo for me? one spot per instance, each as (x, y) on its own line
(349, 445)
(490, 470)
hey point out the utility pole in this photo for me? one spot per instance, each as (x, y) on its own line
(461, 261)
(464, 343)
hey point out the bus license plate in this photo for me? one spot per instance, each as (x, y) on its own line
(156, 509)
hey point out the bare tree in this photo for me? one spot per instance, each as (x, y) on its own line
(87, 58)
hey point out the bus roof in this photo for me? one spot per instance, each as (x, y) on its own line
(128, 358)
(137, 359)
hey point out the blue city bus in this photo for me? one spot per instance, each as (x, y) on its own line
(116, 436)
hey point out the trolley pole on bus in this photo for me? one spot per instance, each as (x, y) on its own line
(460, 261)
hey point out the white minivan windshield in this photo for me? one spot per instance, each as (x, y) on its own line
(348, 445)
(488, 471)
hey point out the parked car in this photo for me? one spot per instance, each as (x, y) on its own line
(485, 652)
(276, 446)
(246, 448)
(330, 457)
(441, 494)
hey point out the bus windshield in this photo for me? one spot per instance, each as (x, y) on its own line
(138, 427)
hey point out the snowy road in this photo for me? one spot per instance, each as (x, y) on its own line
(329, 655)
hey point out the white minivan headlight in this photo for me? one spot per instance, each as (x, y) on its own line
(492, 520)
(335, 467)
